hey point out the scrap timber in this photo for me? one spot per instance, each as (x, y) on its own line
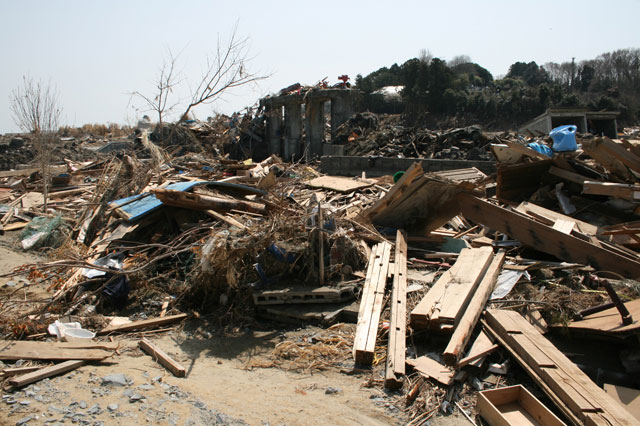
(395, 367)
(371, 304)
(586, 402)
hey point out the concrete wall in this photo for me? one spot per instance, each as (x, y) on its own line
(380, 166)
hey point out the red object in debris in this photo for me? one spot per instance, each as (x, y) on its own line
(345, 79)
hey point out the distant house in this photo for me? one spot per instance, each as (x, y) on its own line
(594, 122)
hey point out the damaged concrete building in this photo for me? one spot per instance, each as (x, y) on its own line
(596, 122)
(292, 115)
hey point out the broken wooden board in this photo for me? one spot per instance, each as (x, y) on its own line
(471, 174)
(22, 349)
(339, 184)
(142, 324)
(560, 378)
(371, 304)
(190, 200)
(226, 218)
(482, 345)
(304, 295)
(464, 328)
(617, 190)
(546, 239)
(395, 367)
(613, 156)
(432, 369)
(466, 272)
(608, 323)
(162, 358)
(629, 398)
(45, 372)
(424, 205)
(538, 211)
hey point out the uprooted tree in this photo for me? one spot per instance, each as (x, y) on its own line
(36, 109)
(226, 70)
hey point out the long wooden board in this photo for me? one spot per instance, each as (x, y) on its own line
(395, 367)
(588, 402)
(545, 238)
(432, 369)
(371, 304)
(45, 372)
(21, 349)
(469, 267)
(339, 184)
(472, 313)
(139, 325)
(161, 357)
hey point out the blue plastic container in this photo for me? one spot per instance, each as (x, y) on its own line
(564, 138)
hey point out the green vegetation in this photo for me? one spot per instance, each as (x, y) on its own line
(466, 92)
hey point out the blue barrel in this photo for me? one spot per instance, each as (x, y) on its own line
(564, 138)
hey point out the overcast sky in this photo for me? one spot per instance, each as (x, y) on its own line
(95, 52)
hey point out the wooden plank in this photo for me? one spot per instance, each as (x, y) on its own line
(618, 190)
(467, 323)
(567, 175)
(564, 226)
(396, 190)
(605, 148)
(339, 184)
(468, 267)
(20, 349)
(545, 238)
(190, 200)
(565, 380)
(482, 343)
(45, 372)
(396, 350)
(142, 324)
(9, 372)
(460, 292)
(525, 150)
(528, 208)
(469, 359)
(371, 305)
(575, 420)
(432, 369)
(161, 357)
(227, 219)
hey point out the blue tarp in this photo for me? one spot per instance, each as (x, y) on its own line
(137, 206)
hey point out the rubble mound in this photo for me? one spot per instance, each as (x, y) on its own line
(366, 134)
(20, 150)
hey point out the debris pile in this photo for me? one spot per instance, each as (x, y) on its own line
(459, 286)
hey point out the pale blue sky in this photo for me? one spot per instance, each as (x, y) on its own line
(97, 51)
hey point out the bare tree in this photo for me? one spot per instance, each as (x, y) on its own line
(36, 110)
(459, 60)
(167, 78)
(226, 70)
(425, 56)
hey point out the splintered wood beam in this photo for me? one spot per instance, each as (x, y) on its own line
(162, 358)
(546, 239)
(469, 319)
(142, 324)
(194, 201)
(395, 367)
(371, 304)
(618, 190)
(449, 294)
(43, 373)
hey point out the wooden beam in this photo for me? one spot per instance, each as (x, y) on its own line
(546, 239)
(227, 219)
(432, 369)
(45, 372)
(588, 402)
(396, 350)
(371, 304)
(9, 372)
(444, 297)
(567, 175)
(618, 190)
(467, 323)
(476, 356)
(21, 349)
(142, 324)
(161, 357)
